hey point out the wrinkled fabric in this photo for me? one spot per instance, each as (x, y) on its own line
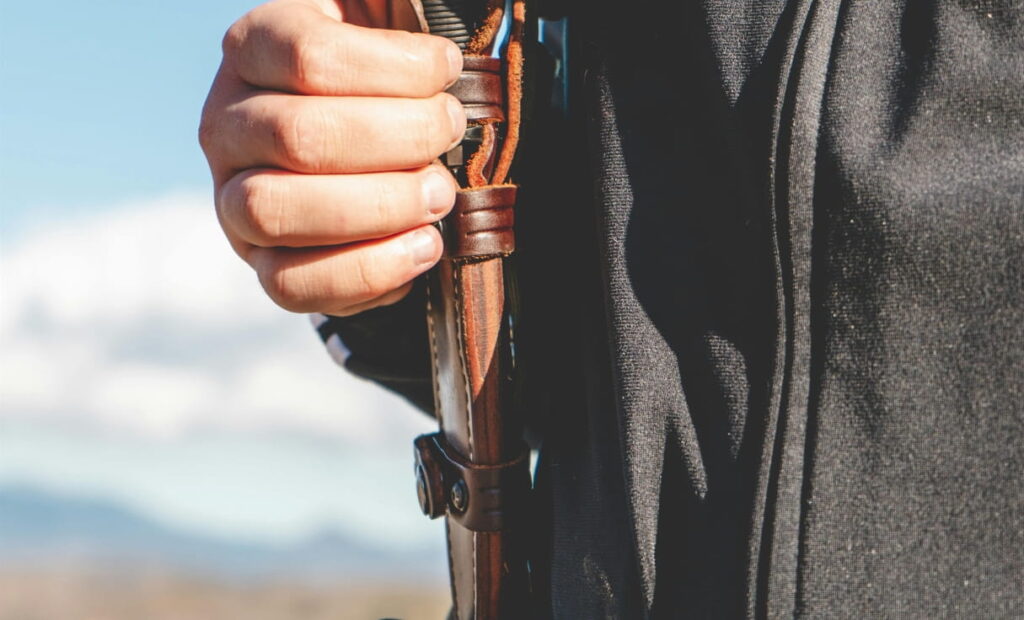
(772, 320)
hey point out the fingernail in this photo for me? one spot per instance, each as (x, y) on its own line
(457, 117)
(454, 55)
(422, 246)
(438, 194)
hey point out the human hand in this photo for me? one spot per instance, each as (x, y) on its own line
(320, 130)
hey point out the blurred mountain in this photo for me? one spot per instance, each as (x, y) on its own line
(44, 529)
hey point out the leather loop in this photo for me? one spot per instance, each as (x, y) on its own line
(480, 89)
(481, 63)
(480, 113)
(481, 223)
(480, 498)
(430, 478)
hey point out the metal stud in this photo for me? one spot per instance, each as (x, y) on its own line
(422, 492)
(459, 496)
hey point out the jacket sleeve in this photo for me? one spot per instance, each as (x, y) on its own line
(387, 345)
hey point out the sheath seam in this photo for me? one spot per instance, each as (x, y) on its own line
(432, 332)
(476, 590)
(464, 366)
(451, 572)
(459, 320)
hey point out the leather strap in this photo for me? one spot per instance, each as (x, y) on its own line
(468, 319)
(480, 89)
(481, 498)
(480, 224)
(475, 471)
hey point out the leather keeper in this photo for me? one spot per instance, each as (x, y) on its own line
(480, 89)
(477, 113)
(481, 498)
(481, 223)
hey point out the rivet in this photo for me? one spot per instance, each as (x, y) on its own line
(459, 496)
(422, 492)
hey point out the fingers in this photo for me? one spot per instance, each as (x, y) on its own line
(298, 49)
(271, 208)
(393, 297)
(321, 136)
(347, 279)
(333, 135)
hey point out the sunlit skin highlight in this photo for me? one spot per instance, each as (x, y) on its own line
(321, 130)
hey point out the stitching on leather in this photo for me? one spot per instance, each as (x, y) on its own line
(476, 590)
(432, 332)
(482, 39)
(451, 573)
(464, 366)
(459, 319)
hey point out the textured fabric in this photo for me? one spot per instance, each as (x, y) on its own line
(772, 327)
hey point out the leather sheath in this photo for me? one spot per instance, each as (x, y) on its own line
(475, 471)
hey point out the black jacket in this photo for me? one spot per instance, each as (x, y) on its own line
(772, 327)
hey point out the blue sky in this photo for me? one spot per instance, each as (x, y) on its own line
(101, 99)
(139, 361)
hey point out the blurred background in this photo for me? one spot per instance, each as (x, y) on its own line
(171, 444)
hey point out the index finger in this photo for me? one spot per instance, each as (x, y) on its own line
(296, 48)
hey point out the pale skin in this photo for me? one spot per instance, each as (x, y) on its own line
(322, 130)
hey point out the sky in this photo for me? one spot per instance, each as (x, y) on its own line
(139, 360)
(101, 99)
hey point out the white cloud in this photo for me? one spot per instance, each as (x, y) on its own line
(166, 257)
(141, 319)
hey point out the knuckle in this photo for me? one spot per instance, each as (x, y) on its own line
(427, 59)
(254, 202)
(369, 280)
(285, 287)
(296, 134)
(456, 126)
(235, 36)
(207, 132)
(438, 68)
(420, 133)
(307, 62)
(385, 202)
(431, 129)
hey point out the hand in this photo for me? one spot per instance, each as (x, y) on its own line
(320, 131)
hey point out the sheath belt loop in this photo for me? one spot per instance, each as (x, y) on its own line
(481, 223)
(482, 498)
(480, 89)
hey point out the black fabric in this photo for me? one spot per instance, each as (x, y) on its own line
(388, 345)
(772, 327)
(915, 492)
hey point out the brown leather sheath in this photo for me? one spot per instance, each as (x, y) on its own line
(475, 471)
